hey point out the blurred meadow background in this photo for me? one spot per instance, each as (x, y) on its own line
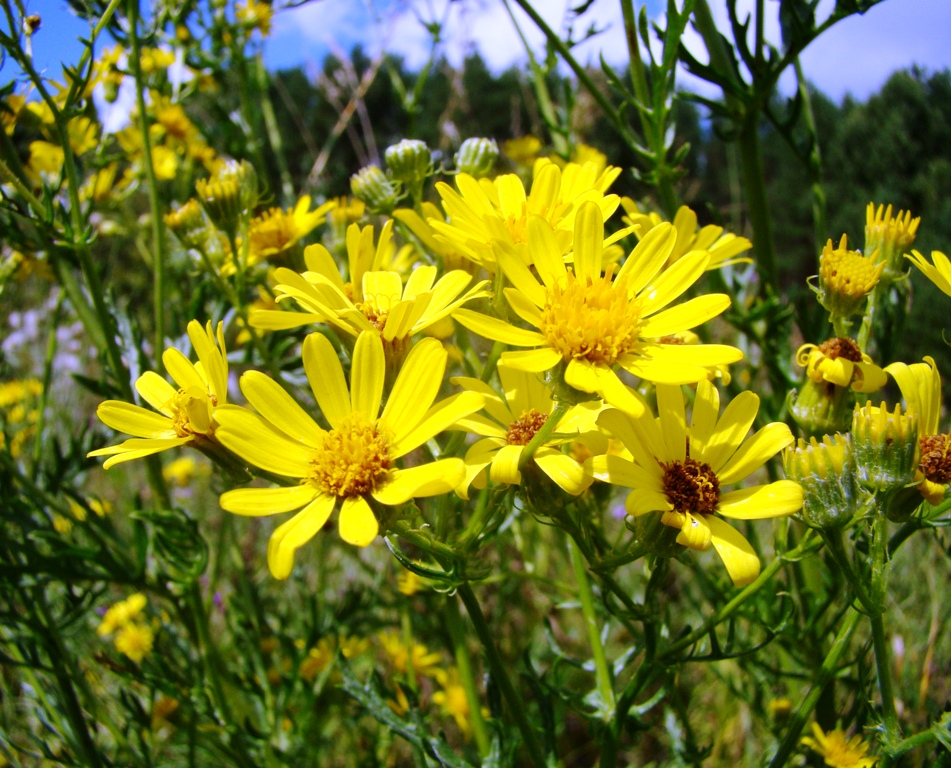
(336, 227)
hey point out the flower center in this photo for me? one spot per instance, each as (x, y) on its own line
(691, 486)
(848, 273)
(352, 459)
(595, 319)
(374, 315)
(522, 430)
(192, 412)
(841, 347)
(936, 458)
(274, 230)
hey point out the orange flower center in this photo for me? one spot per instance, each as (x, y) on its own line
(522, 430)
(691, 486)
(936, 458)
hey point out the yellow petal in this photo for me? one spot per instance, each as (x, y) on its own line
(531, 360)
(367, 374)
(684, 316)
(420, 482)
(134, 420)
(358, 524)
(544, 251)
(738, 556)
(258, 502)
(620, 471)
(703, 420)
(648, 257)
(641, 502)
(504, 468)
(673, 422)
(589, 235)
(257, 442)
(416, 386)
(279, 320)
(326, 378)
(755, 452)
(290, 536)
(437, 419)
(497, 330)
(674, 281)
(213, 362)
(778, 499)
(137, 448)
(518, 273)
(270, 400)
(495, 405)
(522, 307)
(182, 370)
(730, 431)
(564, 471)
(155, 391)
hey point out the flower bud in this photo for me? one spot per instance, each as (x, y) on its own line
(372, 187)
(409, 161)
(846, 278)
(889, 237)
(885, 447)
(230, 195)
(826, 473)
(822, 409)
(189, 224)
(477, 157)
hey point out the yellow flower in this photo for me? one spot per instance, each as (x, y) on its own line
(276, 230)
(522, 150)
(156, 59)
(62, 524)
(135, 640)
(355, 459)
(837, 751)
(400, 655)
(724, 247)
(182, 470)
(46, 160)
(938, 273)
(10, 110)
(318, 659)
(255, 15)
(593, 321)
(889, 236)
(515, 418)
(185, 414)
(680, 470)
(846, 278)
(839, 361)
(122, 613)
(484, 214)
(920, 386)
(452, 699)
(379, 303)
(162, 711)
(351, 647)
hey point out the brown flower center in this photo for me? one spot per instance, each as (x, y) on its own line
(841, 347)
(522, 430)
(691, 486)
(936, 458)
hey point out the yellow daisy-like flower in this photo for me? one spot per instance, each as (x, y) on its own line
(920, 385)
(276, 230)
(400, 655)
(522, 150)
(938, 273)
(889, 235)
(255, 15)
(839, 361)
(135, 640)
(483, 213)
(515, 418)
(353, 461)
(846, 278)
(380, 303)
(680, 470)
(837, 750)
(186, 414)
(724, 247)
(452, 699)
(593, 321)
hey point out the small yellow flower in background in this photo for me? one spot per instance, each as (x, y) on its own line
(276, 230)
(889, 236)
(185, 415)
(846, 278)
(515, 418)
(83, 135)
(255, 15)
(318, 659)
(837, 750)
(135, 640)
(183, 470)
(839, 361)
(10, 109)
(353, 461)
(46, 161)
(724, 247)
(592, 321)
(19, 390)
(353, 647)
(409, 582)
(485, 214)
(122, 613)
(156, 60)
(400, 655)
(920, 385)
(938, 273)
(522, 150)
(452, 699)
(62, 524)
(162, 710)
(680, 470)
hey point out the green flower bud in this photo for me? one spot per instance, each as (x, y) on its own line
(230, 195)
(846, 278)
(831, 495)
(890, 237)
(822, 408)
(372, 187)
(189, 224)
(409, 161)
(477, 157)
(885, 447)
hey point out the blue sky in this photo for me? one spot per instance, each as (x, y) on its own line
(856, 56)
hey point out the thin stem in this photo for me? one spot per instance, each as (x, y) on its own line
(273, 132)
(601, 669)
(884, 668)
(497, 665)
(542, 434)
(464, 664)
(155, 205)
(51, 341)
(808, 704)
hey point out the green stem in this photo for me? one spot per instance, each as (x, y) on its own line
(464, 664)
(601, 669)
(158, 230)
(815, 160)
(884, 669)
(206, 649)
(826, 673)
(497, 666)
(38, 442)
(273, 132)
(542, 434)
